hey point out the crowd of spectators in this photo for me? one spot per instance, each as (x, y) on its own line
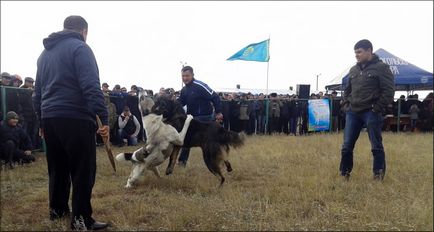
(287, 114)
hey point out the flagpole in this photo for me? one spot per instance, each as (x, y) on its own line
(268, 67)
(268, 62)
(267, 98)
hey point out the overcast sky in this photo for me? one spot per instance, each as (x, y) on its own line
(143, 43)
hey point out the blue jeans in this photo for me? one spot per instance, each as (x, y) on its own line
(123, 135)
(354, 124)
(260, 124)
(185, 152)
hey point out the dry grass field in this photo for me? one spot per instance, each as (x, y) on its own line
(278, 183)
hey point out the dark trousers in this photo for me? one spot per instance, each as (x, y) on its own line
(71, 158)
(226, 122)
(244, 125)
(185, 152)
(10, 153)
(260, 127)
(284, 125)
(251, 128)
(273, 124)
(354, 124)
(31, 127)
(235, 124)
(293, 125)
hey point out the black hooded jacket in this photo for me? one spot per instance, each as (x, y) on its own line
(67, 80)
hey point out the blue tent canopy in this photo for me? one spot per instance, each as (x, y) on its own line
(408, 77)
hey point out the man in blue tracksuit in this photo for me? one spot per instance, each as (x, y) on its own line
(198, 98)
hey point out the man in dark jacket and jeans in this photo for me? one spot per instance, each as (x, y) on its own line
(370, 89)
(198, 98)
(67, 99)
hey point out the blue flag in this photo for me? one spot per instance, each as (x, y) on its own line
(254, 52)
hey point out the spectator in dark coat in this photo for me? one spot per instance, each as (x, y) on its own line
(15, 144)
(426, 114)
(285, 114)
(251, 128)
(234, 109)
(118, 98)
(29, 121)
(244, 113)
(294, 110)
(225, 110)
(274, 113)
(260, 114)
(336, 108)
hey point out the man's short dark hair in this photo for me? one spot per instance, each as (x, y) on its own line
(75, 22)
(364, 43)
(187, 68)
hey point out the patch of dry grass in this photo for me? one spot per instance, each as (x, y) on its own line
(278, 183)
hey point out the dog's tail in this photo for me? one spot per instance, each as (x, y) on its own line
(124, 156)
(229, 138)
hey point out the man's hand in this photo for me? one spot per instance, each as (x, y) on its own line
(28, 152)
(104, 131)
(219, 117)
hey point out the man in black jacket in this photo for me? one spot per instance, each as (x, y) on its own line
(29, 120)
(67, 99)
(370, 89)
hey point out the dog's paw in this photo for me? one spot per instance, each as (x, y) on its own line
(189, 117)
(128, 185)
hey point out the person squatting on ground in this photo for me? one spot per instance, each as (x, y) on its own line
(67, 99)
(15, 144)
(198, 98)
(129, 128)
(370, 89)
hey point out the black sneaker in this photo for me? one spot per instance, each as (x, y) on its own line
(98, 226)
(58, 214)
(79, 224)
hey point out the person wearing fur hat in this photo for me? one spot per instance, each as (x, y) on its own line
(15, 144)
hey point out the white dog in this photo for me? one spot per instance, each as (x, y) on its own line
(161, 139)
